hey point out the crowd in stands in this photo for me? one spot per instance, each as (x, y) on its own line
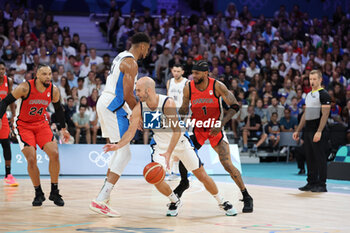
(265, 62)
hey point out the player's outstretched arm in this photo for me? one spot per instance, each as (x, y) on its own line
(129, 68)
(184, 109)
(60, 119)
(22, 90)
(171, 114)
(130, 133)
(229, 99)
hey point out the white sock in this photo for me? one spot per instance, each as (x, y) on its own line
(176, 167)
(105, 191)
(219, 199)
(173, 198)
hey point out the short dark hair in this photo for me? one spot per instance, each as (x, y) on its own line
(274, 113)
(2, 63)
(178, 65)
(140, 37)
(41, 66)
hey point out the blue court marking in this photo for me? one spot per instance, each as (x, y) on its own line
(54, 227)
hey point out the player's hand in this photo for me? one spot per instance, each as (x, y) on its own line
(214, 131)
(166, 155)
(317, 137)
(65, 135)
(296, 136)
(110, 147)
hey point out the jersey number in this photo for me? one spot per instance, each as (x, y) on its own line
(34, 111)
(204, 110)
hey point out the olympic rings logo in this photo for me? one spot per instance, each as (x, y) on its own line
(100, 159)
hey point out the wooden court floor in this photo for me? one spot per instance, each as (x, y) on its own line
(143, 209)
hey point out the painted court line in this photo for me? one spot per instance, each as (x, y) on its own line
(54, 227)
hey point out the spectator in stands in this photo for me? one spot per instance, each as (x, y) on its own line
(82, 124)
(294, 108)
(67, 49)
(64, 88)
(82, 90)
(105, 65)
(252, 70)
(243, 83)
(75, 41)
(162, 64)
(94, 59)
(43, 58)
(69, 111)
(38, 28)
(85, 67)
(20, 69)
(72, 79)
(55, 79)
(252, 127)
(9, 56)
(261, 111)
(82, 51)
(272, 132)
(275, 107)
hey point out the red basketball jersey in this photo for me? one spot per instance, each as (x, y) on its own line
(204, 104)
(5, 129)
(4, 88)
(32, 109)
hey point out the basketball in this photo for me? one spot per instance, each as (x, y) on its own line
(154, 173)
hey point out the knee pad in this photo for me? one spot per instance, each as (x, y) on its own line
(120, 159)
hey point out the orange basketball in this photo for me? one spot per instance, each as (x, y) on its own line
(154, 173)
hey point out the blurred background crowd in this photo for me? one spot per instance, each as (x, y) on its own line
(265, 62)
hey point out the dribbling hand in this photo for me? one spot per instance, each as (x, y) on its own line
(65, 134)
(110, 147)
(166, 155)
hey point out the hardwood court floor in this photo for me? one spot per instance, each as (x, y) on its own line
(143, 209)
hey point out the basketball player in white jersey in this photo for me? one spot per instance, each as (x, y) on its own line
(113, 109)
(175, 88)
(167, 142)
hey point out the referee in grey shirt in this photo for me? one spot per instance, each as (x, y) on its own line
(318, 105)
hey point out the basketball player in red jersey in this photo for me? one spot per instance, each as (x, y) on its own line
(5, 88)
(32, 128)
(204, 94)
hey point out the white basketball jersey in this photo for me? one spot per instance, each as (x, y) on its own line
(162, 136)
(176, 91)
(114, 84)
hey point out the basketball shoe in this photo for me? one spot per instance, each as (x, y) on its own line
(173, 209)
(38, 199)
(102, 207)
(248, 204)
(56, 198)
(10, 180)
(172, 177)
(228, 208)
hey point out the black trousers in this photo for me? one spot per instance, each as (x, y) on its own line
(299, 153)
(316, 157)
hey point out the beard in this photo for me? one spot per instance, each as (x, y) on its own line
(199, 81)
(46, 85)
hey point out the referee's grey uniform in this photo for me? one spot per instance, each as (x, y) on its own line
(316, 157)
